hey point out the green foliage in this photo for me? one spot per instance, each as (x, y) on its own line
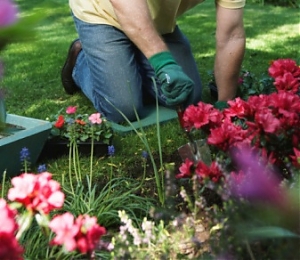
(32, 76)
(286, 3)
(105, 201)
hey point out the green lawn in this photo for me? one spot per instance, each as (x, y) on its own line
(32, 69)
(34, 89)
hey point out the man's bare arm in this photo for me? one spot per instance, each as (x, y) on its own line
(230, 47)
(135, 20)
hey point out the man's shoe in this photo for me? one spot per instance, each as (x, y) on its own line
(66, 72)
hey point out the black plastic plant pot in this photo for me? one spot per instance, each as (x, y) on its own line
(57, 147)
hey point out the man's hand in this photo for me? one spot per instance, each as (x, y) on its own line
(176, 86)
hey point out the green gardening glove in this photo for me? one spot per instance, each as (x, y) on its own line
(176, 86)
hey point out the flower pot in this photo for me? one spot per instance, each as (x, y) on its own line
(57, 147)
(32, 134)
(213, 90)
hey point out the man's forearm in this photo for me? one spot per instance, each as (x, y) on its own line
(135, 20)
(230, 49)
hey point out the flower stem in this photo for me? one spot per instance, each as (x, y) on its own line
(70, 168)
(91, 160)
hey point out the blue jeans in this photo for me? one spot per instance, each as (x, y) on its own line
(115, 75)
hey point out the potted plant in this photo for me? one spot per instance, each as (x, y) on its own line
(70, 127)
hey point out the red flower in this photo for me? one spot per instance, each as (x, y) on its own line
(90, 233)
(212, 172)
(197, 116)
(227, 135)
(36, 192)
(266, 121)
(287, 82)
(296, 158)
(60, 122)
(80, 122)
(279, 67)
(237, 107)
(9, 247)
(185, 169)
(286, 107)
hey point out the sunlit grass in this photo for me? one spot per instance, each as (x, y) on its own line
(32, 69)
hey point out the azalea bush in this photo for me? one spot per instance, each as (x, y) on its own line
(256, 167)
(268, 123)
(73, 126)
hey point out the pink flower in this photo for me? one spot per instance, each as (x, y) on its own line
(8, 13)
(185, 169)
(37, 192)
(95, 118)
(7, 219)
(71, 110)
(65, 229)
(80, 234)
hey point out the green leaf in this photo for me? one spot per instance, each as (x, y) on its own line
(55, 131)
(271, 232)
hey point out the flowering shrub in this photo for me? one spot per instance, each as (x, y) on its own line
(37, 195)
(256, 167)
(80, 127)
(269, 124)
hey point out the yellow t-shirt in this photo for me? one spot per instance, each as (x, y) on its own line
(163, 12)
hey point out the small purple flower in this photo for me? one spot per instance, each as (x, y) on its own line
(111, 150)
(24, 154)
(42, 168)
(8, 13)
(70, 121)
(144, 154)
